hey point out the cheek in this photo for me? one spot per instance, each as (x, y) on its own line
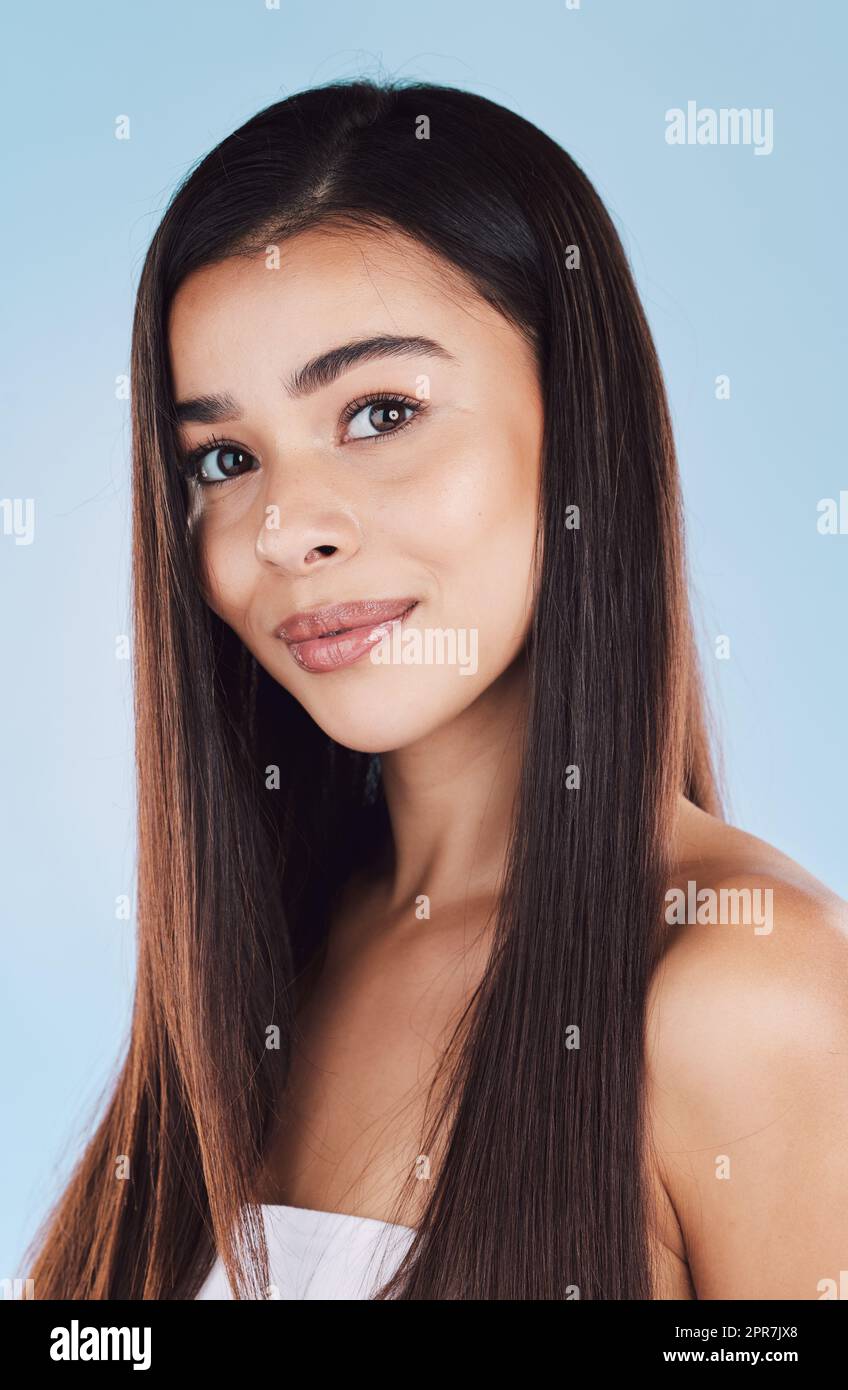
(228, 569)
(475, 529)
(472, 483)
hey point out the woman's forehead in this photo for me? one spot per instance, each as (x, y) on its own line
(312, 291)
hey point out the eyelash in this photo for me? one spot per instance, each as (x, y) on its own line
(189, 462)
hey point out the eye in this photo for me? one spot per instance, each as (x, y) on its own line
(379, 414)
(216, 463)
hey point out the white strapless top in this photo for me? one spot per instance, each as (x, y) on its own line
(322, 1255)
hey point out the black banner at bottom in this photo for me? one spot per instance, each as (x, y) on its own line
(171, 1337)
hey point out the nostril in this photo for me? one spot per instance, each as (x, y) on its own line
(320, 550)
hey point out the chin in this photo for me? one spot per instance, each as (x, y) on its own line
(380, 715)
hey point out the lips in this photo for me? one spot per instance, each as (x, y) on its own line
(325, 639)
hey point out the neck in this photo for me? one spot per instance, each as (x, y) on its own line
(451, 795)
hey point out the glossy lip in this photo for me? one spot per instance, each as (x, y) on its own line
(333, 637)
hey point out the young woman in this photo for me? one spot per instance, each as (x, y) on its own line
(441, 932)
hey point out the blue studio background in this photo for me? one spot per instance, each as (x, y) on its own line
(739, 259)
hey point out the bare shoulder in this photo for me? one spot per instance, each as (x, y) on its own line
(742, 915)
(747, 1058)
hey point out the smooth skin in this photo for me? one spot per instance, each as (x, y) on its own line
(747, 1043)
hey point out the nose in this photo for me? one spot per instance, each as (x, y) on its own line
(298, 536)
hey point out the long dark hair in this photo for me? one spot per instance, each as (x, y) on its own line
(541, 1187)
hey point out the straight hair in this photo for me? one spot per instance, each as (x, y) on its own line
(541, 1188)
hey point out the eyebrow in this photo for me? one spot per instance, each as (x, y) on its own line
(313, 375)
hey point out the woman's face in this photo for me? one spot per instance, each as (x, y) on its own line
(404, 474)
